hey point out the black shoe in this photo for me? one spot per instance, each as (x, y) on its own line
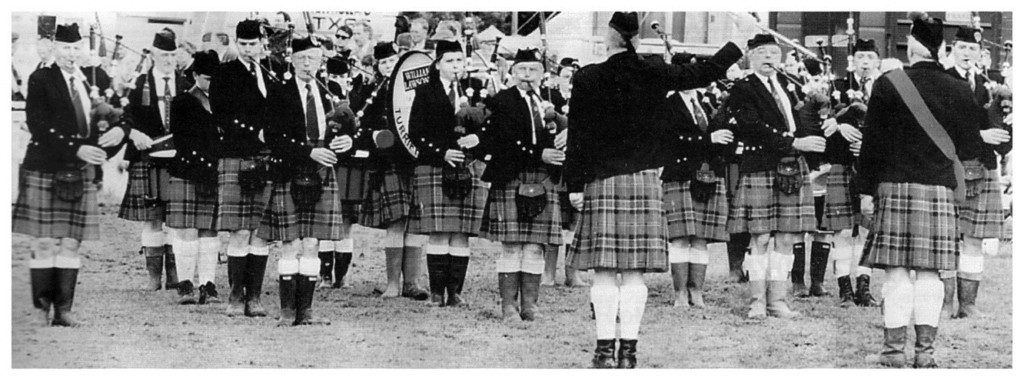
(819, 264)
(845, 291)
(186, 293)
(342, 261)
(604, 354)
(797, 272)
(456, 278)
(437, 271)
(255, 269)
(170, 269)
(627, 354)
(65, 298)
(208, 294)
(304, 288)
(863, 297)
(924, 347)
(43, 292)
(286, 289)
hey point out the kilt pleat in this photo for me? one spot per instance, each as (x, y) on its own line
(388, 199)
(279, 221)
(436, 213)
(323, 220)
(38, 212)
(689, 218)
(502, 218)
(133, 206)
(757, 208)
(235, 210)
(622, 225)
(838, 212)
(982, 216)
(914, 227)
(186, 209)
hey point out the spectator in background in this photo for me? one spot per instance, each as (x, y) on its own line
(184, 58)
(220, 43)
(362, 39)
(419, 32)
(44, 48)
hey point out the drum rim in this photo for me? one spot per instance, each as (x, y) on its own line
(391, 90)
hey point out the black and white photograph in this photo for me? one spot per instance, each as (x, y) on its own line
(382, 187)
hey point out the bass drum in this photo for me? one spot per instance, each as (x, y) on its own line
(411, 72)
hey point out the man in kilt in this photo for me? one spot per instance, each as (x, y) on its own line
(981, 215)
(389, 195)
(908, 182)
(694, 183)
(238, 99)
(149, 107)
(840, 211)
(617, 140)
(304, 206)
(57, 199)
(448, 211)
(192, 206)
(523, 213)
(774, 194)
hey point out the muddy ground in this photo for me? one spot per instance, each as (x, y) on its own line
(128, 328)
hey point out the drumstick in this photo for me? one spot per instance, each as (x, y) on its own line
(162, 139)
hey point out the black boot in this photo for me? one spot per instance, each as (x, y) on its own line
(326, 269)
(627, 354)
(65, 298)
(863, 297)
(412, 269)
(737, 248)
(208, 294)
(845, 291)
(604, 354)
(967, 292)
(508, 289)
(819, 264)
(154, 266)
(949, 297)
(924, 346)
(171, 268)
(255, 269)
(186, 293)
(342, 261)
(286, 288)
(304, 288)
(43, 291)
(456, 279)
(797, 272)
(695, 287)
(893, 347)
(236, 276)
(437, 271)
(530, 287)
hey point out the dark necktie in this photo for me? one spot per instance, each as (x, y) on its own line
(76, 100)
(698, 114)
(970, 80)
(167, 103)
(453, 96)
(864, 87)
(779, 102)
(312, 127)
(538, 119)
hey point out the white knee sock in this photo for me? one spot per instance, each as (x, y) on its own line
(533, 259)
(347, 245)
(287, 266)
(861, 270)
(756, 267)
(153, 239)
(458, 251)
(898, 296)
(259, 250)
(326, 246)
(206, 264)
(186, 254)
(67, 262)
(309, 266)
(843, 257)
(511, 258)
(606, 305)
(699, 256)
(779, 266)
(632, 300)
(678, 254)
(435, 249)
(928, 293)
(971, 262)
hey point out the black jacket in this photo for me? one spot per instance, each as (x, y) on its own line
(147, 118)
(897, 149)
(692, 147)
(239, 109)
(286, 132)
(614, 124)
(377, 117)
(432, 123)
(195, 138)
(509, 141)
(50, 116)
(760, 125)
(981, 95)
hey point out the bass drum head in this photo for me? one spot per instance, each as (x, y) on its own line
(411, 72)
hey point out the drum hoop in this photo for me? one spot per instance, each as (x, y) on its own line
(402, 136)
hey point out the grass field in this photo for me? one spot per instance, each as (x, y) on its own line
(127, 328)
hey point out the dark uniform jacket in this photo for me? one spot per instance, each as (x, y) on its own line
(692, 147)
(377, 117)
(432, 123)
(555, 97)
(614, 124)
(761, 126)
(897, 149)
(196, 137)
(147, 118)
(510, 139)
(286, 132)
(981, 95)
(239, 109)
(50, 116)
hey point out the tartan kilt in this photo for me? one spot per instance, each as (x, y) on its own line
(188, 210)
(388, 199)
(38, 212)
(914, 227)
(133, 206)
(570, 216)
(280, 220)
(757, 208)
(436, 213)
(323, 220)
(622, 225)
(982, 216)
(688, 218)
(351, 183)
(838, 211)
(502, 218)
(235, 210)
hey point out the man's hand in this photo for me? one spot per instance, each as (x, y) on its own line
(995, 136)
(867, 205)
(721, 137)
(553, 156)
(746, 24)
(469, 141)
(561, 139)
(91, 154)
(454, 156)
(855, 148)
(142, 141)
(112, 138)
(341, 144)
(850, 133)
(323, 156)
(576, 199)
(809, 144)
(829, 126)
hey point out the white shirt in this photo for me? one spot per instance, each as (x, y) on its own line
(784, 95)
(867, 85)
(158, 79)
(259, 75)
(321, 118)
(83, 93)
(531, 104)
(688, 99)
